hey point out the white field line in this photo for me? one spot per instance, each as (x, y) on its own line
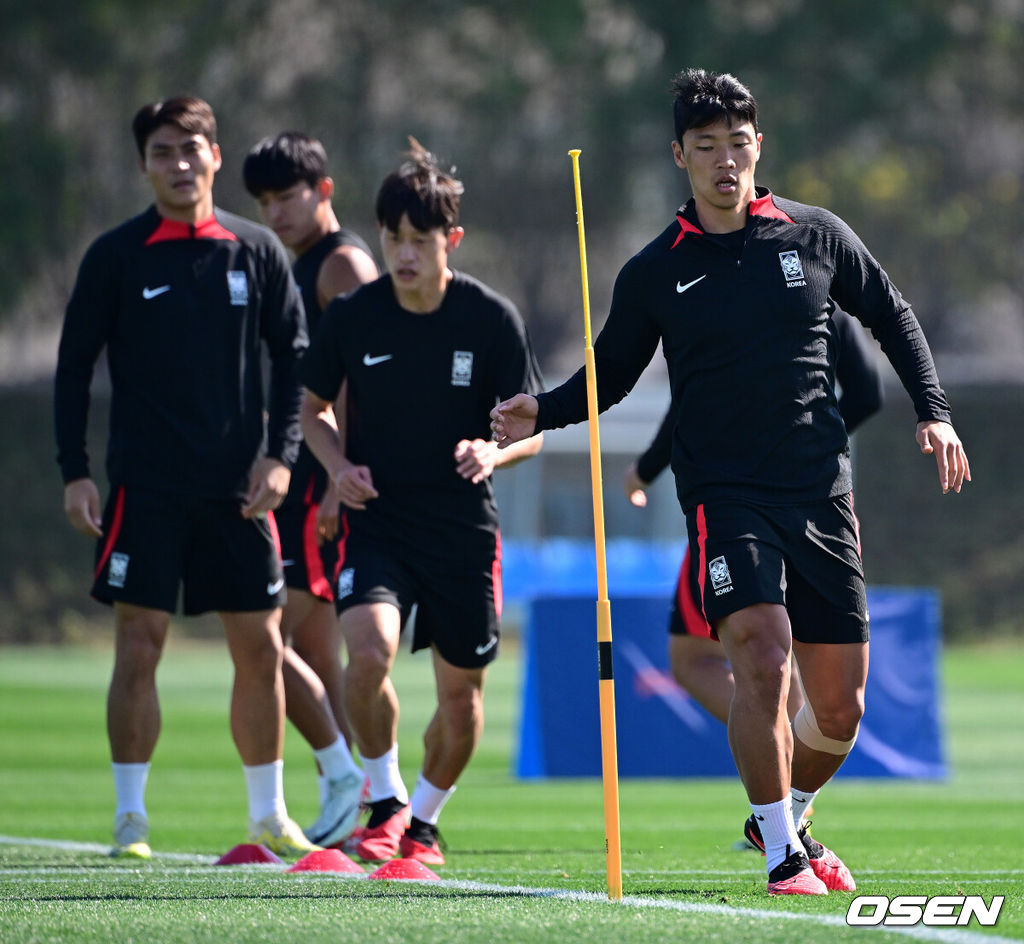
(97, 847)
(237, 873)
(894, 874)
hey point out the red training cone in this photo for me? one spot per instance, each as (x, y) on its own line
(405, 869)
(247, 854)
(326, 860)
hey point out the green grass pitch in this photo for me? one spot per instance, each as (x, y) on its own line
(525, 859)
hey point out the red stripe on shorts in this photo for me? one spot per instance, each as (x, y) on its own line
(693, 616)
(702, 557)
(275, 535)
(115, 529)
(342, 537)
(318, 583)
(496, 574)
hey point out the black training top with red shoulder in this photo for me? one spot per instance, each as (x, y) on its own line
(184, 312)
(745, 333)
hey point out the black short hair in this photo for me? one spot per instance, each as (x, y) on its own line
(183, 111)
(420, 188)
(277, 163)
(702, 98)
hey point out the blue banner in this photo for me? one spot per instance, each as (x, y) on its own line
(663, 732)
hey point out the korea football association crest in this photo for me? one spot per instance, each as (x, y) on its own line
(346, 583)
(117, 572)
(238, 287)
(721, 579)
(792, 269)
(462, 368)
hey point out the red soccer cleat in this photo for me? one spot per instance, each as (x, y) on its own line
(422, 843)
(794, 876)
(826, 865)
(384, 831)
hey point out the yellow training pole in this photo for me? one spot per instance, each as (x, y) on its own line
(606, 684)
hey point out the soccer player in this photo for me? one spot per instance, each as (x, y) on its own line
(287, 175)
(184, 297)
(740, 288)
(423, 524)
(696, 658)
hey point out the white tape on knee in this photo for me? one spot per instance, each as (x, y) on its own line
(805, 727)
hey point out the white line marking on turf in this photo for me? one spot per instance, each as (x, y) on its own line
(893, 873)
(96, 847)
(925, 934)
(235, 873)
(920, 933)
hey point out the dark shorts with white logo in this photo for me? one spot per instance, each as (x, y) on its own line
(156, 545)
(309, 564)
(458, 610)
(804, 556)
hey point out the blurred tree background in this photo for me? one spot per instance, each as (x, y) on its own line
(903, 116)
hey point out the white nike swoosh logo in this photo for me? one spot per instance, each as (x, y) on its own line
(275, 587)
(287, 563)
(680, 288)
(370, 361)
(480, 650)
(148, 293)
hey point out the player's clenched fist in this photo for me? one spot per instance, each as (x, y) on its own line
(354, 486)
(514, 420)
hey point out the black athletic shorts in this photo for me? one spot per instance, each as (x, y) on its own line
(155, 544)
(804, 556)
(308, 563)
(458, 609)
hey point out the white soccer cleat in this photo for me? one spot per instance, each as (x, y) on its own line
(131, 836)
(339, 813)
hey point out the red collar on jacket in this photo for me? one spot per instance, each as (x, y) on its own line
(762, 205)
(204, 229)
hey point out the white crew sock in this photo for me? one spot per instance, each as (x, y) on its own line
(775, 820)
(336, 760)
(265, 783)
(801, 803)
(130, 787)
(385, 778)
(427, 800)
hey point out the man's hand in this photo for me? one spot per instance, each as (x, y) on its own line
(941, 439)
(475, 459)
(268, 484)
(82, 506)
(635, 487)
(354, 486)
(327, 515)
(514, 420)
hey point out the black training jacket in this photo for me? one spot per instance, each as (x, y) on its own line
(184, 312)
(746, 341)
(860, 392)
